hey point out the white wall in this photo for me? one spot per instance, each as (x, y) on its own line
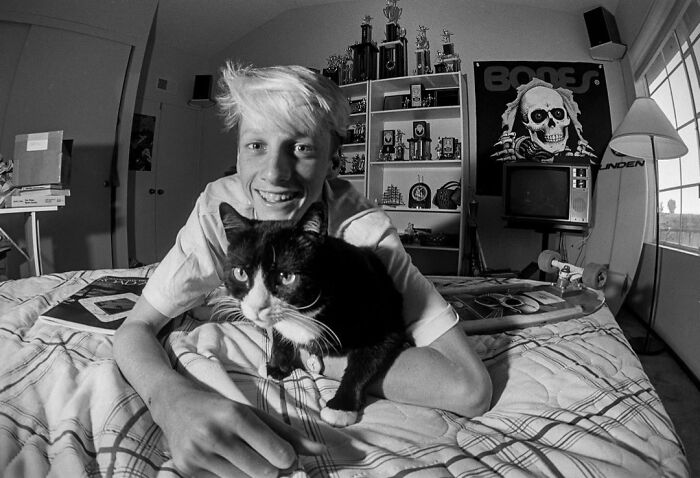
(123, 23)
(482, 31)
(678, 303)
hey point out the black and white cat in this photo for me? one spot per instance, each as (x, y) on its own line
(316, 292)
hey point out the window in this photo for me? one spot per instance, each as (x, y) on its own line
(672, 81)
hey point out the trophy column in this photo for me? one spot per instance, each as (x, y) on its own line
(393, 58)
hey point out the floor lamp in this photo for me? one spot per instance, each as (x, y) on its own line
(646, 133)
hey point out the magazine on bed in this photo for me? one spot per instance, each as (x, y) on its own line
(101, 306)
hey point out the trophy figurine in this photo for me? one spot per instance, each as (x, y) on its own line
(346, 68)
(422, 52)
(364, 54)
(334, 68)
(393, 60)
(400, 146)
(448, 60)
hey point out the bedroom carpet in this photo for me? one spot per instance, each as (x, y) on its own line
(676, 387)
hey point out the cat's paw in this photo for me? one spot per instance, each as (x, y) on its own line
(278, 373)
(338, 418)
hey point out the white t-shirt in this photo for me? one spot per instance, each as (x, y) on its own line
(194, 265)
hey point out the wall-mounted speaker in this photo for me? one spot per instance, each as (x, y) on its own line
(201, 92)
(603, 35)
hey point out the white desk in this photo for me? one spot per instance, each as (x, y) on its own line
(31, 233)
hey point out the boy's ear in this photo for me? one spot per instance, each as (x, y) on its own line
(314, 220)
(233, 222)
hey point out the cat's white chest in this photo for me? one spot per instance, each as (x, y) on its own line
(298, 333)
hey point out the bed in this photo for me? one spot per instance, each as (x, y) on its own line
(570, 400)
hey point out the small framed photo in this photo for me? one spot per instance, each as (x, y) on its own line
(421, 129)
(416, 95)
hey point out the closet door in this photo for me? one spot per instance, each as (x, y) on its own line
(177, 171)
(165, 195)
(73, 82)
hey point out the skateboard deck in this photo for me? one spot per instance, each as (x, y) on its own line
(487, 305)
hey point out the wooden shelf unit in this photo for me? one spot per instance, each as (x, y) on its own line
(444, 121)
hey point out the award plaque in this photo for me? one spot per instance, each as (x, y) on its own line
(388, 141)
(447, 148)
(419, 195)
(421, 129)
(416, 95)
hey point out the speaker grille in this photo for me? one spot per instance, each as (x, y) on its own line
(579, 205)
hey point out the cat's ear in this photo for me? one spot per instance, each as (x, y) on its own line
(233, 222)
(314, 220)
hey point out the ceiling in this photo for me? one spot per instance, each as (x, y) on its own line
(201, 27)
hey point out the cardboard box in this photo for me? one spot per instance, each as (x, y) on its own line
(42, 158)
(22, 201)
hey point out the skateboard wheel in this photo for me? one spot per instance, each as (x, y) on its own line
(594, 276)
(544, 261)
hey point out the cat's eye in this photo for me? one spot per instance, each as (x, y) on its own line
(239, 274)
(287, 278)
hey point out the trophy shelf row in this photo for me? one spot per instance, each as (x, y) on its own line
(406, 152)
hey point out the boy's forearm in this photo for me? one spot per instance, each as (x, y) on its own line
(446, 375)
(144, 362)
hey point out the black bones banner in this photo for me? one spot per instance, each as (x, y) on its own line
(537, 111)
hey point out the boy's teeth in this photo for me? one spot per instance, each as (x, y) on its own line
(274, 197)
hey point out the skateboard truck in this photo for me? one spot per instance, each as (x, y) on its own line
(571, 279)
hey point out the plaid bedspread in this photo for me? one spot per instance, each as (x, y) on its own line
(570, 400)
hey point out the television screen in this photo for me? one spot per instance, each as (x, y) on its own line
(538, 192)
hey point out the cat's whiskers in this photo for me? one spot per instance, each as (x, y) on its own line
(324, 334)
(225, 309)
(304, 307)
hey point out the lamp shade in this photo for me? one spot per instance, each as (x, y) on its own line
(644, 123)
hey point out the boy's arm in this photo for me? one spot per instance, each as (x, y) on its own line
(204, 430)
(446, 374)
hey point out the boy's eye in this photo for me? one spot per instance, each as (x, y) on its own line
(254, 146)
(303, 148)
(239, 274)
(287, 278)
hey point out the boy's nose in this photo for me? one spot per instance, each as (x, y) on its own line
(279, 165)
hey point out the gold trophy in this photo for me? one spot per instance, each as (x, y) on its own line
(422, 52)
(393, 60)
(448, 60)
(364, 54)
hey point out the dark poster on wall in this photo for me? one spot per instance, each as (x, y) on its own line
(141, 148)
(549, 112)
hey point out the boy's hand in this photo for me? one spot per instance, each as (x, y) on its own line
(207, 432)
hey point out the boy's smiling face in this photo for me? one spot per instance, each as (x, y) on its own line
(282, 170)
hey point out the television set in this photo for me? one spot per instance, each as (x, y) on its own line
(547, 196)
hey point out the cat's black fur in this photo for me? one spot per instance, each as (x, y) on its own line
(347, 287)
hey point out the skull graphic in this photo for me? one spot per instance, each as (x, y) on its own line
(546, 118)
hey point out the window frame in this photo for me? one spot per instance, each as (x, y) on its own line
(678, 51)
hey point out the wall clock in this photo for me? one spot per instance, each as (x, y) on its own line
(419, 195)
